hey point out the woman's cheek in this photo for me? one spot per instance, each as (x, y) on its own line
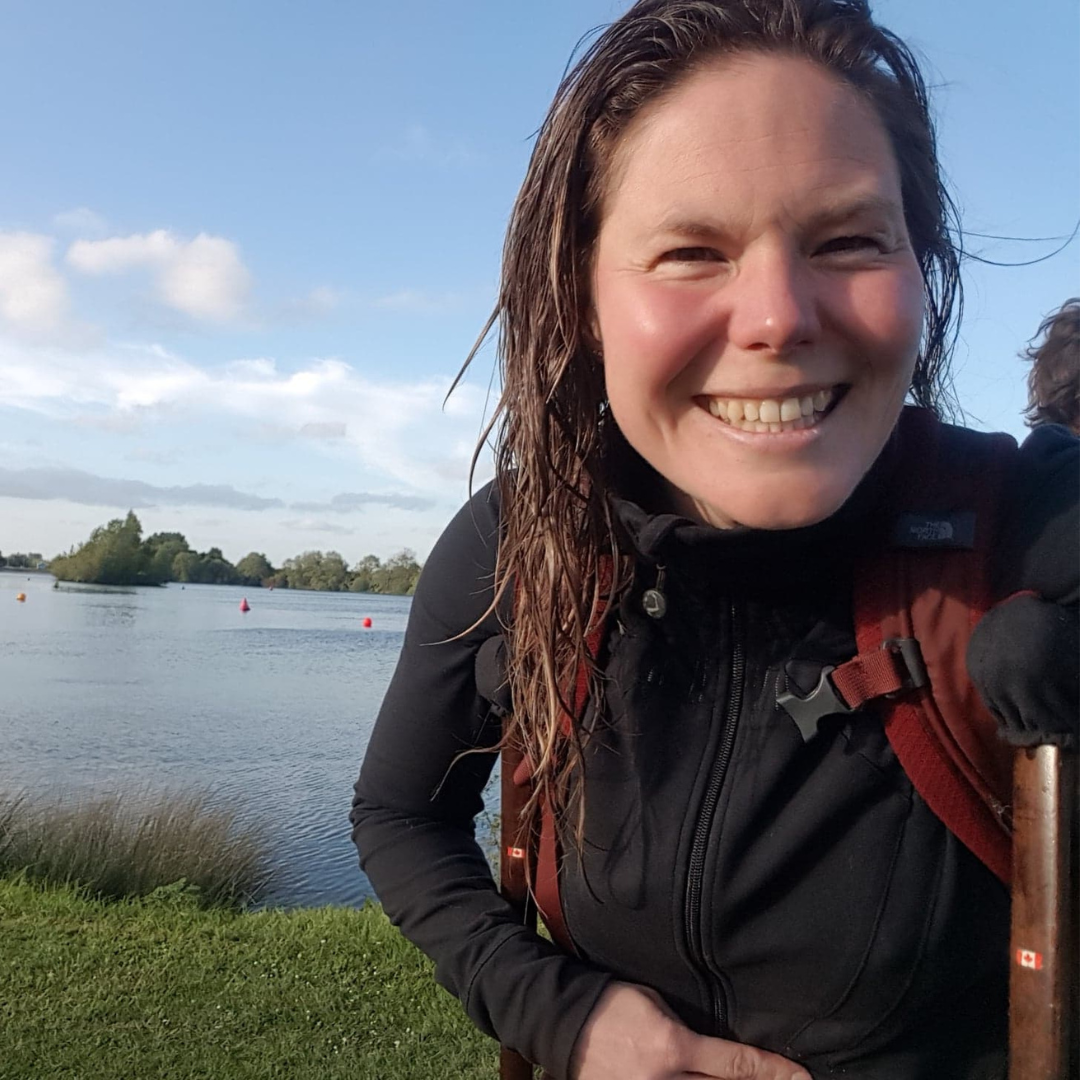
(655, 323)
(889, 310)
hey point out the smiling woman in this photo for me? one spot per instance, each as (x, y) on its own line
(728, 267)
(754, 267)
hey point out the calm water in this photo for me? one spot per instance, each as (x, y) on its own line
(176, 688)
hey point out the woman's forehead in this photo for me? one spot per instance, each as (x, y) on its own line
(739, 118)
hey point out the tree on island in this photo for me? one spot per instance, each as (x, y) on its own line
(116, 554)
(209, 568)
(323, 571)
(398, 575)
(254, 568)
(162, 550)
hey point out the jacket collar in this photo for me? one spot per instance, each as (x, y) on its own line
(654, 534)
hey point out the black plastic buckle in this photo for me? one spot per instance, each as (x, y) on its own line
(907, 648)
(825, 700)
(807, 712)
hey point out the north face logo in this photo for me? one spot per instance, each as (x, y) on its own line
(932, 531)
(955, 529)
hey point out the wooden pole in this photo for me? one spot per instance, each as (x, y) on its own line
(1045, 950)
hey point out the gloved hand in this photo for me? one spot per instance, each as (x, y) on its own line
(1024, 658)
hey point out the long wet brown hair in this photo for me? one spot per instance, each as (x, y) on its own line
(558, 451)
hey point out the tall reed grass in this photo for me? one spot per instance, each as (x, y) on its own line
(121, 846)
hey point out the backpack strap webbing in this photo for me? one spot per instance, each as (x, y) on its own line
(931, 586)
(548, 851)
(535, 859)
(917, 600)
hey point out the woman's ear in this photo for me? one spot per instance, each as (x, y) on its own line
(591, 334)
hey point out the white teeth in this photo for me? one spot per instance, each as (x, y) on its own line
(772, 414)
(769, 412)
(790, 409)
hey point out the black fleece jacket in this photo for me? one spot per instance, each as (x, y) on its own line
(797, 896)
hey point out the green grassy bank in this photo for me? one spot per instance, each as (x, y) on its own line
(159, 988)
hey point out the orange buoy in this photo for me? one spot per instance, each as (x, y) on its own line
(365, 622)
(244, 605)
(21, 597)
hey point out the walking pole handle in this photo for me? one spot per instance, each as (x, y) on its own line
(1044, 950)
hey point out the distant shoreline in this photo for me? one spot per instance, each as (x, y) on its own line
(25, 570)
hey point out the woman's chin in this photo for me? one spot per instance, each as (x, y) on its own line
(776, 511)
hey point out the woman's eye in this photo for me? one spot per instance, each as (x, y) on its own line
(844, 244)
(692, 254)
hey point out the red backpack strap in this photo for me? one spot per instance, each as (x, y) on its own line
(548, 855)
(543, 849)
(931, 587)
(916, 604)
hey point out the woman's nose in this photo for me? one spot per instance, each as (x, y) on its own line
(773, 304)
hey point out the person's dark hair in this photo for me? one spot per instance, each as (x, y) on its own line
(557, 449)
(1054, 379)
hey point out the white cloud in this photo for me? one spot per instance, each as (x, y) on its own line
(204, 277)
(122, 252)
(311, 525)
(81, 222)
(77, 486)
(398, 430)
(323, 430)
(349, 502)
(152, 456)
(33, 294)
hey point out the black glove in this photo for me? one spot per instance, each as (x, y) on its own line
(1024, 658)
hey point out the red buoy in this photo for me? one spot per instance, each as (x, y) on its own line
(365, 622)
(244, 605)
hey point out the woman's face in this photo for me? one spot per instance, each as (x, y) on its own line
(756, 298)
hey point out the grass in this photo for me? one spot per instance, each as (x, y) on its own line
(129, 953)
(125, 846)
(157, 988)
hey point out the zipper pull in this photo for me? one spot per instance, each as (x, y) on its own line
(653, 601)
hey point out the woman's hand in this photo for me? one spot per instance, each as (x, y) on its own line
(631, 1034)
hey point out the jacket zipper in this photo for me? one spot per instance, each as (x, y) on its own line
(696, 873)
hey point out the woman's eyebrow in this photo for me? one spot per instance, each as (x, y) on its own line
(862, 206)
(839, 212)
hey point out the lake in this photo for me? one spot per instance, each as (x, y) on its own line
(118, 690)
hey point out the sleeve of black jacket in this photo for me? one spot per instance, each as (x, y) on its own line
(416, 800)
(1024, 655)
(1037, 549)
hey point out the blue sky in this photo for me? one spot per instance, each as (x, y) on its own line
(245, 246)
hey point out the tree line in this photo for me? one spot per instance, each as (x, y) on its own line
(20, 561)
(117, 554)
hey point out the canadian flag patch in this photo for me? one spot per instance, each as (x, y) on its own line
(519, 853)
(1028, 958)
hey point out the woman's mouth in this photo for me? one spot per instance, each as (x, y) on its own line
(775, 415)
